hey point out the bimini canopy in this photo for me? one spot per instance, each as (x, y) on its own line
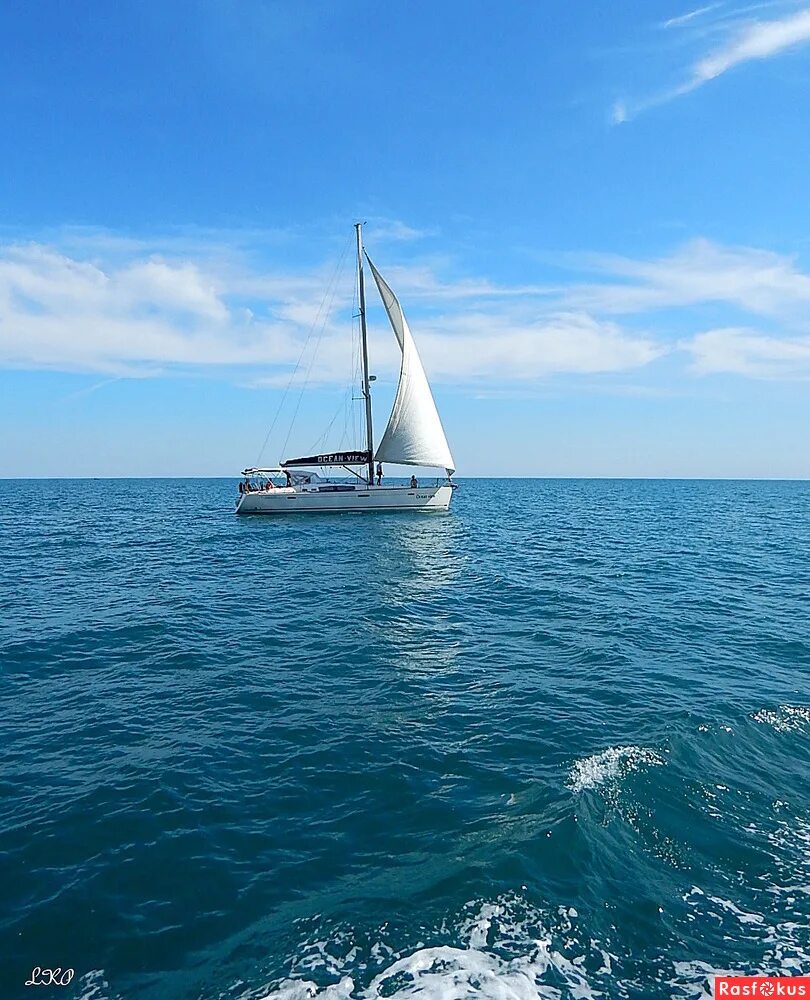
(332, 458)
(414, 435)
(303, 476)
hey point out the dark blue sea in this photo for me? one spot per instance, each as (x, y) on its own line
(555, 743)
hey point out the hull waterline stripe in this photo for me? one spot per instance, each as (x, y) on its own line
(343, 510)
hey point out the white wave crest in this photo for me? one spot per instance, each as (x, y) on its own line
(785, 718)
(506, 951)
(509, 949)
(93, 985)
(611, 765)
(445, 973)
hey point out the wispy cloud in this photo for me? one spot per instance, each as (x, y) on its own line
(150, 315)
(58, 311)
(483, 346)
(395, 231)
(759, 40)
(681, 20)
(741, 351)
(745, 41)
(699, 271)
(618, 113)
(90, 389)
(763, 286)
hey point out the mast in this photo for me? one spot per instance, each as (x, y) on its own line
(364, 336)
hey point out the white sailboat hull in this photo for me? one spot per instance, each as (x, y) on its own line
(345, 499)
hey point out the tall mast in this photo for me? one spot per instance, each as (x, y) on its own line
(358, 226)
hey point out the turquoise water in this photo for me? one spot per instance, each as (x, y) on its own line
(555, 743)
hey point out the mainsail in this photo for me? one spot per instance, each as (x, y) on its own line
(414, 435)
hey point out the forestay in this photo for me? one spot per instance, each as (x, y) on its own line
(414, 435)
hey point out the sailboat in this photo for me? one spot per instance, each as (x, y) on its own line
(413, 436)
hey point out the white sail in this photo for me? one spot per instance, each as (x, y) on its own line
(414, 435)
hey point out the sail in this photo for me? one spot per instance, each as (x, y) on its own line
(414, 435)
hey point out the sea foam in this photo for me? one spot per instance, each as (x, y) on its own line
(507, 950)
(611, 765)
(785, 718)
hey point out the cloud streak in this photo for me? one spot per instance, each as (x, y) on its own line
(679, 22)
(700, 271)
(759, 40)
(747, 42)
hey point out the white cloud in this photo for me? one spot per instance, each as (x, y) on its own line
(483, 346)
(746, 280)
(619, 113)
(741, 351)
(759, 40)
(59, 312)
(394, 231)
(39, 274)
(147, 315)
(746, 42)
(420, 281)
(700, 271)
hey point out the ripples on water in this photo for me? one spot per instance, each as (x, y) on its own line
(555, 743)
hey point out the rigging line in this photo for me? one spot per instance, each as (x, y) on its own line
(354, 359)
(348, 405)
(333, 289)
(347, 397)
(303, 351)
(317, 345)
(329, 425)
(340, 409)
(308, 371)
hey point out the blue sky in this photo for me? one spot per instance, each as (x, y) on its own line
(595, 216)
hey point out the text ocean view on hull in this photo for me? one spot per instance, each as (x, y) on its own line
(414, 436)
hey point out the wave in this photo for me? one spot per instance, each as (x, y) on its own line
(509, 950)
(611, 765)
(505, 950)
(93, 985)
(785, 718)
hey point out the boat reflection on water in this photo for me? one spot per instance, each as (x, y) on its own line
(417, 582)
(421, 556)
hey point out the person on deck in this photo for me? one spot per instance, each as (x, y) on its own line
(289, 477)
(379, 473)
(414, 482)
